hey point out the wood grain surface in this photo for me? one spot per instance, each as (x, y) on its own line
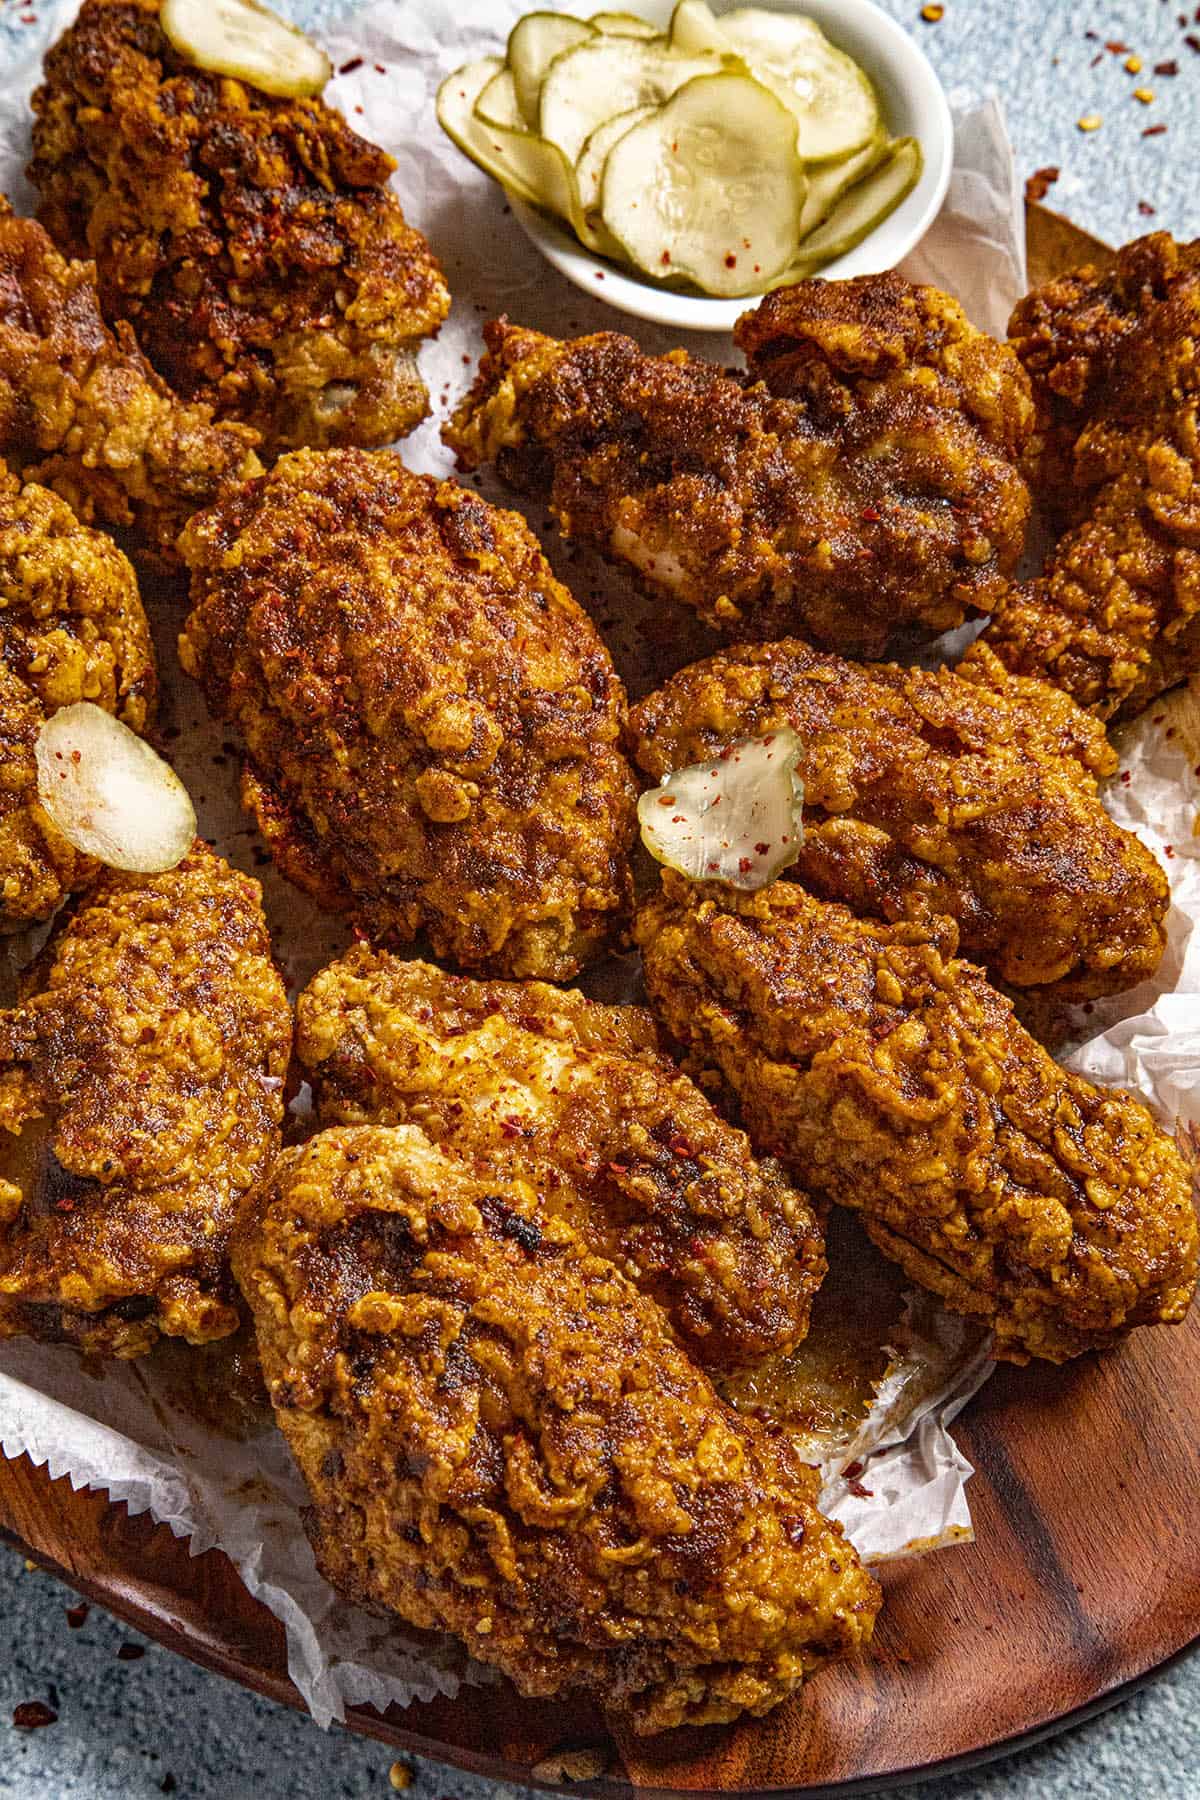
(1084, 1578)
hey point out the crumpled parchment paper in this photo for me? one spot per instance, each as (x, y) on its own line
(125, 1429)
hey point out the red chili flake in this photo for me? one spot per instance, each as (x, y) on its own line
(870, 513)
(358, 109)
(1154, 131)
(77, 1614)
(617, 1169)
(1096, 60)
(853, 1470)
(666, 256)
(1170, 67)
(379, 69)
(761, 849)
(1126, 775)
(1192, 42)
(731, 261)
(1145, 208)
(744, 865)
(348, 68)
(1115, 47)
(31, 1715)
(713, 867)
(1168, 850)
(1040, 182)
(599, 274)
(512, 1127)
(130, 1652)
(861, 1492)
(76, 756)
(679, 1147)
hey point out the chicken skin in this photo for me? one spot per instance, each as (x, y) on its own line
(1115, 617)
(502, 1439)
(927, 792)
(252, 243)
(431, 721)
(71, 628)
(141, 1080)
(82, 412)
(869, 505)
(891, 1077)
(577, 1099)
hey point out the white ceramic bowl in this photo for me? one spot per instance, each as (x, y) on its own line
(914, 105)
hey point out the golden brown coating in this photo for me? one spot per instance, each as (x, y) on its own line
(842, 523)
(878, 352)
(431, 721)
(71, 628)
(141, 1096)
(82, 411)
(891, 1077)
(502, 1439)
(1115, 617)
(925, 792)
(578, 1100)
(253, 243)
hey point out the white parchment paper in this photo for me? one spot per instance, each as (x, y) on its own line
(123, 1430)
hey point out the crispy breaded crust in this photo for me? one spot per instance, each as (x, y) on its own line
(890, 1076)
(71, 628)
(577, 1099)
(502, 1439)
(82, 411)
(1115, 618)
(431, 721)
(873, 504)
(141, 1082)
(253, 243)
(927, 792)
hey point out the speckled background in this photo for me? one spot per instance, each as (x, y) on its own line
(135, 1727)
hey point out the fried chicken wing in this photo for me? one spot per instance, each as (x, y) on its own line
(577, 1099)
(925, 791)
(82, 412)
(431, 721)
(253, 243)
(880, 499)
(141, 1081)
(71, 628)
(892, 1078)
(1115, 617)
(502, 1439)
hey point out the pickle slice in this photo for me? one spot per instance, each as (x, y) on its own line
(497, 104)
(696, 31)
(589, 84)
(861, 210)
(533, 44)
(248, 41)
(589, 170)
(623, 24)
(473, 107)
(835, 105)
(110, 794)
(709, 188)
(738, 818)
(827, 182)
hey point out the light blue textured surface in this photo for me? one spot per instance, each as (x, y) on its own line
(123, 1727)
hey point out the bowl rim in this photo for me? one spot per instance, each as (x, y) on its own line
(909, 67)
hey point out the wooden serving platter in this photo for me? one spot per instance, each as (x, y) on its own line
(1085, 1576)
